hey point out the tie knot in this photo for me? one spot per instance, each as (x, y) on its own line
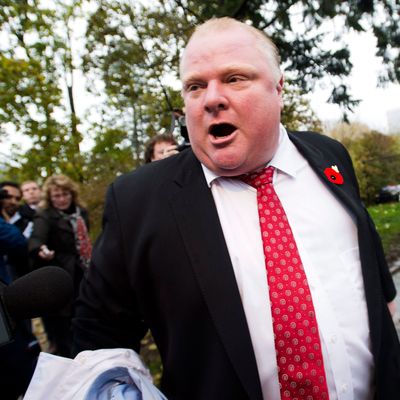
(258, 178)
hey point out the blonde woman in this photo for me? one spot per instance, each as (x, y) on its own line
(60, 238)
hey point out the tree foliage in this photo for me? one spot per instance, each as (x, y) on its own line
(133, 50)
(130, 55)
(32, 63)
(376, 157)
(297, 114)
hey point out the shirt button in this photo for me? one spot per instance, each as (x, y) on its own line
(333, 339)
(344, 387)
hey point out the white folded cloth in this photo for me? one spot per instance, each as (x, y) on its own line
(116, 374)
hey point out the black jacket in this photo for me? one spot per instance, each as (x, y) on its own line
(27, 214)
(21, 261)
(55, 231)
(162, 263)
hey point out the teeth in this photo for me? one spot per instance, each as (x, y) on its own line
(221, 130)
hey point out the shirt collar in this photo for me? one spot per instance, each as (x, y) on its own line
(15, 218)
(287, 159)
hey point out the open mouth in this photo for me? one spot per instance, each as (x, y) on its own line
(221, 130)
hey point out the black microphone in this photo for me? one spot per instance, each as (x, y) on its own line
(39, 293)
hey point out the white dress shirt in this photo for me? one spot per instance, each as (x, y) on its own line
(326, 237)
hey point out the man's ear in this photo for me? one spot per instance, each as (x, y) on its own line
(279, 85)
(279, 89)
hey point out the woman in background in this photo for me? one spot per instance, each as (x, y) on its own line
(60, 238)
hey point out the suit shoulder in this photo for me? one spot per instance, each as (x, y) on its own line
(143, 174)
(317, 139)
(42, 212)
(312, 137)
(26, 211)
(49, 213)
(154, 174)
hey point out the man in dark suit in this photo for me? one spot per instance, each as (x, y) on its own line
(182, 252)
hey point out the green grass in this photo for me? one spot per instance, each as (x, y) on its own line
(387, 220)
(151, 358)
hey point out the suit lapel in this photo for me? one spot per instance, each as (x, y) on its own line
(319, 162)
(198, 222)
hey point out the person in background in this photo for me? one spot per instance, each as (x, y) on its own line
(11, 239)
(13, 202)
(31, 194)
(17, 358)
(160, 147)
(250, 256)
(18, 262)
(60, 238)
(17, 213)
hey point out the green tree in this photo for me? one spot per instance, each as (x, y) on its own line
(376, 157)
(110, 156)
(133, 49)
(33, 62)
(346, 133)
(297, 113)
(376, 162)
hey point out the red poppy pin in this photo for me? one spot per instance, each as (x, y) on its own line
(334, 175)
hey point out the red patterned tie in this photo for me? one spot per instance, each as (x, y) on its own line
(297, 343)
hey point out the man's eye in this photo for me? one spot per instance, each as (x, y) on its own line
(192, 87)
(235, 78)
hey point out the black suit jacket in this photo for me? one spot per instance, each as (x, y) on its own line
(162, 262)
(56, 232)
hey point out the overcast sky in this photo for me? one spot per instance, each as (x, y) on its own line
(376, 102)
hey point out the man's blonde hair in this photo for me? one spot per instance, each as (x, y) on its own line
(263, 42)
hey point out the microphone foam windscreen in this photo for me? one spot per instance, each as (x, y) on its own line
(39, 293)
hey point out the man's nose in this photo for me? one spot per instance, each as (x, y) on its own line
(215, 99)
